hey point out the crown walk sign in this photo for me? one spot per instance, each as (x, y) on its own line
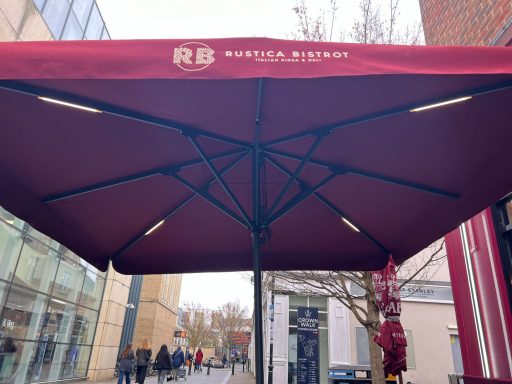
(307, 346)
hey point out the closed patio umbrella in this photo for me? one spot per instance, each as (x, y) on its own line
(391, 336)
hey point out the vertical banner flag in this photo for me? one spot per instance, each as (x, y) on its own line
(307, 346)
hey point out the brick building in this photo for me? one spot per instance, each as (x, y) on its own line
(158, 310)
(467, 22)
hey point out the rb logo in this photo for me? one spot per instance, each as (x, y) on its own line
(193, 56)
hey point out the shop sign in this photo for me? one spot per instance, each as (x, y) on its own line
(438, 292)
(307, 345)
(6, 323)
(181, 334)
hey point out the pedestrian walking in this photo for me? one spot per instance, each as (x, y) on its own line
(125, 364)
(199, 360)
(163, 363)
(178, 358)
(190, 358)
(143, 358)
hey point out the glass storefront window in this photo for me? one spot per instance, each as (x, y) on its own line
(95, 25)
(92, 290)
(4, 290)
(363, 349)
(72, 30)
(82, 9)
(105, 35)
(81, 360)
(39, 4)
(11, 241)
(44, 334)
(9, 218)
(23, 314)
(43, 238)
(58, 321)
(91, 268)
(16, 361)
(55, 13)
(73, 256)
(298, 301)
(69, 280)
(84, 326)
(37, 266)
(318, 302)
(65, 361)
(292, 355)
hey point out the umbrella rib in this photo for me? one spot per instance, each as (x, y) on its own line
(332, 207)
(142, 234)
(181, 205)
(387, 113)
(297, 199)
(135, 177)
(296, 173)
(219, 178)
(342, 214)
(212, 200)
(32, 90)
(341, 169)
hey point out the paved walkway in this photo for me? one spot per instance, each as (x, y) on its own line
(242, 378)
(216, 376)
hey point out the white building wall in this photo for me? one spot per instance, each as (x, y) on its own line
(339, 333)
(280, 348)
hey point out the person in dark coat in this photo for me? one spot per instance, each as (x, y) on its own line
(178, 358)
(163, 363)
(125, 364)
(190, 359)
(143, 358)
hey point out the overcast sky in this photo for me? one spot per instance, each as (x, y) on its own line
(176, 19)
(212, 290)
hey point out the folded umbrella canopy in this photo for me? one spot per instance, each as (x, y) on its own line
(391, 336)
(239, 154)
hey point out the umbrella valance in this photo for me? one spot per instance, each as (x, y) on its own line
(317, 150)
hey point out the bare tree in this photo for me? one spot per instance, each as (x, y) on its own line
(355, 291)
(375, 25)
(230, 318)
(197, 322)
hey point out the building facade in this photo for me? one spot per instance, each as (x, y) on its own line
(428, 317)
(49, 306)
(157, 313)
(51, 20)
(480, 250)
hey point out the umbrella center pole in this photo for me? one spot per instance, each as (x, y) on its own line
(258, 319)
(257, 239)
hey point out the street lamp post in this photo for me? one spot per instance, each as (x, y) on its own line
(271, 344)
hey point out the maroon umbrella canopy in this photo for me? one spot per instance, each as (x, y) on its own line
(314, 148)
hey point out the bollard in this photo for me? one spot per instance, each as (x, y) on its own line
(233, 366)
(209, 365)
